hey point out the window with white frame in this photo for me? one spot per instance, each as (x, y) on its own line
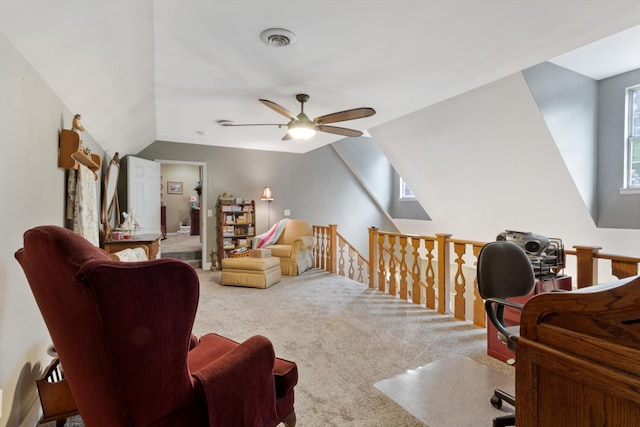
(405, 191)
(633, 138)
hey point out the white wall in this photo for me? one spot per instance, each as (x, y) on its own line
(484, 162)
(33, 193)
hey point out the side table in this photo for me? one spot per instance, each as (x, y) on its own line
(150, 241)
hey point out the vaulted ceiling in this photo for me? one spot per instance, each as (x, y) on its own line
(147, 70)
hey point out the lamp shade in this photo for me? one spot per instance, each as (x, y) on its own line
(267, 195)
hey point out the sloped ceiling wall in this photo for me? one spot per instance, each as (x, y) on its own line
(568, 102)
(483, 162)
(372, 168)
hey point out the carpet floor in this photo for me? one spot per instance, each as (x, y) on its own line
(181, 243)
(345, 338)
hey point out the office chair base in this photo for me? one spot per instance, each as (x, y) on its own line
(499, 396)
(505, 420)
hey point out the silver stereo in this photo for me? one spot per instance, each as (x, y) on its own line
(545, 253)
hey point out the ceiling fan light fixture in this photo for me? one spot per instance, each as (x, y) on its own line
(302, 127)
(278, 37)
(301, 132)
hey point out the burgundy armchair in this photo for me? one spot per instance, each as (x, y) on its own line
(122, 332)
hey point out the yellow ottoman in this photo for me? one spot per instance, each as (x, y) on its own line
(251, 272)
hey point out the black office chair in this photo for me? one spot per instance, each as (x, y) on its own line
(504, 271)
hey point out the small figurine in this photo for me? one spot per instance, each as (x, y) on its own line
(77, 124)
(77, 127)
(214, 261)
(129, 222)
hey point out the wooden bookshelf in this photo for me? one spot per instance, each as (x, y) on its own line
(236, 226)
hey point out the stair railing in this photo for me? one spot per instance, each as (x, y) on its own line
(437, 272)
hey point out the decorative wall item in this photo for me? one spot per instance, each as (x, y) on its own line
(174, 187)
(72, 153)
(76, 124)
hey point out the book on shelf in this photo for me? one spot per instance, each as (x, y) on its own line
(250, 230)
(242, 242)
(228, 219)
(226, 208)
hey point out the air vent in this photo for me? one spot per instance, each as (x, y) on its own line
(278, 37)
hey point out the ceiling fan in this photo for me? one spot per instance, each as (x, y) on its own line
(301, 127)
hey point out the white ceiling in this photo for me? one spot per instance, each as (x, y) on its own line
(607, 57)
(147, 70)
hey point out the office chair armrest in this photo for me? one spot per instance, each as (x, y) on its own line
(493, 314)
(505, 302)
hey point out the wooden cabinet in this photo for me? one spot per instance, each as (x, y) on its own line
(578, 357)
(163, 221)
(236, 226)
(195, 222)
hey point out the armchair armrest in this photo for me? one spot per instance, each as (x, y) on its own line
(304, 242)
(239, 385)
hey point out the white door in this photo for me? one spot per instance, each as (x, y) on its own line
(143, 193)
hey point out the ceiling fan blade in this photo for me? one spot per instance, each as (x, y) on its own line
(279, 109)
(356, 113)
(286, 137)
(338, 130)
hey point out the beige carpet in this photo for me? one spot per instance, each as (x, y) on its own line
(345, 338)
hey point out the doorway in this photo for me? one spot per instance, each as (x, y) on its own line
(183, 211)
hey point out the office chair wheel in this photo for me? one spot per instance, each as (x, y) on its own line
(496, 402)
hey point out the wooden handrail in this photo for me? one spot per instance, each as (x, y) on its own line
(587, 264)
(437, 272)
